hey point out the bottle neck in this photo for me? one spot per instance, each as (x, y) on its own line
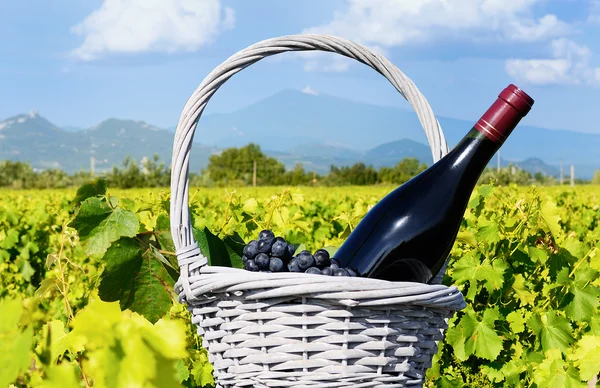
(474, 151)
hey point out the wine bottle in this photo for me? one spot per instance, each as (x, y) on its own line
(408, 235)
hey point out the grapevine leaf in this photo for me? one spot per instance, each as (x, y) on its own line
(250, 206)
(469, 269)
(537, 255)
(235, 249)
(45, 286)
(213, 248)
(137, 280)
(483, 341)
(551, 372)
(554, 331)
(594, 325)
(575, 247)
(587, 356)
(456, 338)
(60, 376)
(585, 295)
(55, 334)
(203, 371)
(15, 343)
(93, 189)
(487, 231)
(492, 374)
(522, 291)
(98, 225)
(550, 214)
(182, 370)
(516, 320)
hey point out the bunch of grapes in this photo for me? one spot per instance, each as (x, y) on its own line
(274, 254)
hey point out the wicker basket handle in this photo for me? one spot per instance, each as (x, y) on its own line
(188, 254)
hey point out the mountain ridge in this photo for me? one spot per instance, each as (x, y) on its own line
(292, 126)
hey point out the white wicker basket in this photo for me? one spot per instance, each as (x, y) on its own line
(302, 330)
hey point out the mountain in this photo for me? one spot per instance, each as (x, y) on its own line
(534, 165)
(72, 128)
(294, 127)
(291, 118)
(34, 139)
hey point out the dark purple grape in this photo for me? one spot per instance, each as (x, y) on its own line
(305, 260)
(291, 249)
(313, 270)
(262, 260)
(351, 272)
(251, 249)
(278, 249)
(276, 264)
(266, 235)
(327, 271)
(341, 272)
(264, 246)
(279, 238)
(322, 258)
(334, 266)
(251, 266)
(244, 259)
(293, 266)
(335, 261)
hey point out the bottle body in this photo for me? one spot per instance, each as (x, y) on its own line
(408, 235)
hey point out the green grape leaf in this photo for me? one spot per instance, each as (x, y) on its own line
(93, 189)
(553, 330)
(235, 249)
(492, 374)
(45, 286)
(60, 376)
(516, 320)
(551, 216)
(250, 206)
(54, 334)
(585, 295)
(482, 339)
(522, 291)
(487, 231)
(203, 371)
(456, 338)
(136, 279)
(15, 343)
(10, 240)
(587, 356)
(98, 225)
(212, 247)
(469, 269)
(537, 255)
(551, 372)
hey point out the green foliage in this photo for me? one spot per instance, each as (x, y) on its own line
(532, 288)
(93, 302)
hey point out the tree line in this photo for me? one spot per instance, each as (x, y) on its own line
(246, 166)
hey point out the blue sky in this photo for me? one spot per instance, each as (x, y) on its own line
(79, 62)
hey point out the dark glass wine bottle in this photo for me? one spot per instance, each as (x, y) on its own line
(408, 235)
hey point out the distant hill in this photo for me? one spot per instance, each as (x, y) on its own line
(34, 139)
(294, 127)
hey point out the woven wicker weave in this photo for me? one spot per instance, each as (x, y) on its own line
(303, 330)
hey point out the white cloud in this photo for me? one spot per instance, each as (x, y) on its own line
(569, 64)
(308, 90)
(594, 12)
(393, 23)
(131, 26)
